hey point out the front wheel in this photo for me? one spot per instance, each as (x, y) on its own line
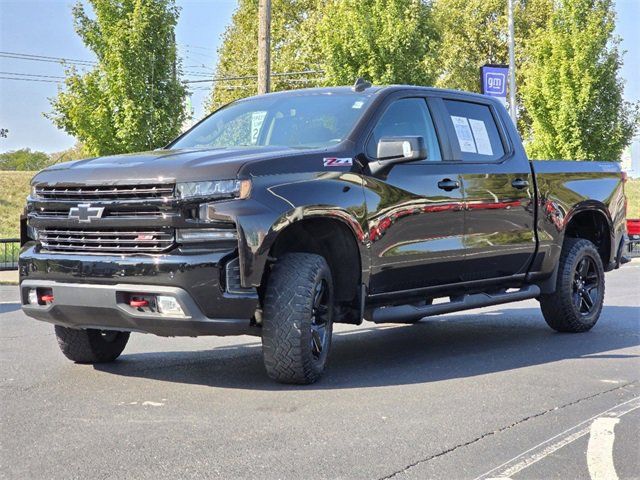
(91, 346)
(298, 318)
(576, 304)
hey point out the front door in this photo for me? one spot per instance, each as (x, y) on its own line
(415, 211)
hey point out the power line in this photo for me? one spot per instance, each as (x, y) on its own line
(46, 60)
(253, 77)
(198, 47)
(28, 56)
(31, 75)
(30, 80)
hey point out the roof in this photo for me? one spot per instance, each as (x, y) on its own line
(371, 91)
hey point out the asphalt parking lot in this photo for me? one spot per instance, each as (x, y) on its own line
(492, 393)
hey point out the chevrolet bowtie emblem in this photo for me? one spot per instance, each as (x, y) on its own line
(84, 212)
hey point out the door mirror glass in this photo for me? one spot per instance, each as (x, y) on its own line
(401, 149)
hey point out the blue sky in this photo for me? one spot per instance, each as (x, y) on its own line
(44, 27)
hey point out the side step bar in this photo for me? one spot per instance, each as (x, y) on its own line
(413, 313)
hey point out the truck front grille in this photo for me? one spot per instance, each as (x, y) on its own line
(106, 241)
(104, 192)
(113, 211)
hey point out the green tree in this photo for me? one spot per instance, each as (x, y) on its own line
(23, 159)
(474, 32)
(572, 88)
(292, 50)
(132, 100)
(77, 152)
(384, 41)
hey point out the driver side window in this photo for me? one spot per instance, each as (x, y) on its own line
(407, 117)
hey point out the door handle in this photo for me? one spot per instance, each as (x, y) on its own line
(447, 184)
(519, 183)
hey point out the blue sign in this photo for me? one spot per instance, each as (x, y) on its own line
(493, 81)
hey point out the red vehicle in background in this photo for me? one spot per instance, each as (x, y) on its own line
(633, 230)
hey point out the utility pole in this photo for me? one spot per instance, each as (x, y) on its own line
(512, 64)
(264, 46)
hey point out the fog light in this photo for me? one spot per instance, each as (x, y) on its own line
(33, 296)
(168, 305)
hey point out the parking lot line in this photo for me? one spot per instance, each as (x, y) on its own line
(551, 445)
(600, 449)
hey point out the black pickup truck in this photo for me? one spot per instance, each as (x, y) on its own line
(280, 215)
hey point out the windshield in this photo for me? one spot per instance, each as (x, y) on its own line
(300, 121)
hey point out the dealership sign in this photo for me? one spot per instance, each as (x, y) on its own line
(493, 81)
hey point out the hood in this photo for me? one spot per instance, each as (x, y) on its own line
(161, 166)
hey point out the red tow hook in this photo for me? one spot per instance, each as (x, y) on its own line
(47, 298)
(138, 303)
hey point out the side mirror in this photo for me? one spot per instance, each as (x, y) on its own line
(401, 149)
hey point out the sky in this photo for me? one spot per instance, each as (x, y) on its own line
(45, 28)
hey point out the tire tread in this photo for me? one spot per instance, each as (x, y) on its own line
(287, 306)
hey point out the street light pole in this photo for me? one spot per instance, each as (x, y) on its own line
(512, 63)
(264, 46)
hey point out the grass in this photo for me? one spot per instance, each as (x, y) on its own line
(632, 190)
(14, 188)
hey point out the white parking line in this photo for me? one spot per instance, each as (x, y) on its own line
(555, 443)
(600, 449)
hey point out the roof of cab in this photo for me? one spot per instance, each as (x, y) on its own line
(371, 91)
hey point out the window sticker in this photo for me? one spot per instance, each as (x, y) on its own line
(358, 104)
(482, 137)
(463, 132)
(257, 119)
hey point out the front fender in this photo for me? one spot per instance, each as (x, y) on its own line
(278, 202)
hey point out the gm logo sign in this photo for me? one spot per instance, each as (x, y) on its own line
(494, 80)
(496, 84)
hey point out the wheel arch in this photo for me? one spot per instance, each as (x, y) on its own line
(334, 237)
(591, 221)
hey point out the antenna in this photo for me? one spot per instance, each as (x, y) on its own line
(361, 85)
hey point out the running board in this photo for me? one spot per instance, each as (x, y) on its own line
(413, 313)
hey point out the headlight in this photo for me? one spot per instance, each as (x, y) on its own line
(214, 189)
(190, 235)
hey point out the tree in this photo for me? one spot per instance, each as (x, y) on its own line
(385, 41)
(292, 50)
(474, 32)
(132, 100)
(572, 88)
(77, 152)
(23, 159)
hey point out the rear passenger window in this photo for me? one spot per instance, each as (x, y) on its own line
(476, 131)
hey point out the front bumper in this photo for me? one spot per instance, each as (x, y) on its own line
(88, 291)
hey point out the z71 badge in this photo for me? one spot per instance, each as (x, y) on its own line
(337, 162)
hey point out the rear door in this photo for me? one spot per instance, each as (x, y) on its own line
(498, 188)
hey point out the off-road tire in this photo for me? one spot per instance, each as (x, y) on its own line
(287, 338)
(91, 346)
(561, 309)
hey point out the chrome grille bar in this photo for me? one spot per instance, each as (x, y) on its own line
(117, 241)
(104, 192)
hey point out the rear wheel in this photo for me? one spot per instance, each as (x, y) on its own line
(298, 318)
(91, 346)
(576, 304)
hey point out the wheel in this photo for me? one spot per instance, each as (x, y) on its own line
(576, 304)
(298, 318)
(91, 346)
